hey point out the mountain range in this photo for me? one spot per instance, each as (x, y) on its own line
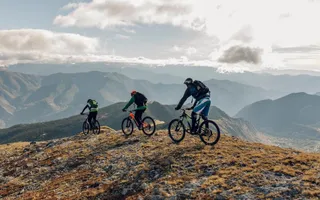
(284, 81)
(34, 98)
(295, 118)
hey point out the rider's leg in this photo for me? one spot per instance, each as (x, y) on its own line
(138, 116)
(205, 111)
(203, 107)
(90, 116)
(94, 117)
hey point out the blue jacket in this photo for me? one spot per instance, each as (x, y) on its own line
(192, 91)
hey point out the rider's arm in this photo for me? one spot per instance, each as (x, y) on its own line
(85, 108)
(195, 103)
(129, 103)
(184, 98)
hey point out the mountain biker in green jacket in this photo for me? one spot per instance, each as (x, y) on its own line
(92, 105)
(141, 101)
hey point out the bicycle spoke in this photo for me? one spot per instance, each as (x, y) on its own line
(209, 132)
(176, 130)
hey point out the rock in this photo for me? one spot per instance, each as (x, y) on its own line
(154, 197)
(33, 142)
(156, 190)
(50, 144)
(184, 193)
(219, 197)
(191, 185)
(153, 174)
(108, 168)
(144, 186)
(124, 191)
(94, 185)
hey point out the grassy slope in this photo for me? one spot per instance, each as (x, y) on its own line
(114, 167)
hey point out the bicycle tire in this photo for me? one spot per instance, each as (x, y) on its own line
(85, 127)
(202, 135)
(127, 122)
(144, 128)
(96, 125)
(183, 130)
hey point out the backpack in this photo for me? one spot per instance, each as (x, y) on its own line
(201, 87)
(140, 99)
(93, 104)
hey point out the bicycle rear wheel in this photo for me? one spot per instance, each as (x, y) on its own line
(176, 130)
(148, 126)
(127, 126)
(96, 127)
(209, 132)
(85, 127)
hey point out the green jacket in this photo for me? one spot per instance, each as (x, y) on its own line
(92, 105)
(131, 101)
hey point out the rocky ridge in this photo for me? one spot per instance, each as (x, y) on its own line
(112, 166)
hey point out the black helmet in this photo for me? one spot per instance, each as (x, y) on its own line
(188, 81)
(89, 100)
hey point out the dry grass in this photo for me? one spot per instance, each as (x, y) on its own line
(112, 166)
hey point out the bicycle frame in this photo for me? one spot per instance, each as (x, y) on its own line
(185, 116)
(131, 115)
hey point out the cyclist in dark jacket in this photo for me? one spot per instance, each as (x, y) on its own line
(92, 105)
(201, 94)
(141, 101)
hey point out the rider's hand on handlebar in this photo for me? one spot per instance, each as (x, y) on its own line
(81, 113)
(124, 110)
(176, 108)
(189, 108)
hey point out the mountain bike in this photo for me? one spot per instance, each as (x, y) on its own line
(86, 126)
(148, 125)
(207, 128)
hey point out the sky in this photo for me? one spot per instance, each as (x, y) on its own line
(230, 35)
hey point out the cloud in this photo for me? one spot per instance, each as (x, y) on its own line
(245, 34)
(106, 13)
(35, 44)
(176, 48)
(120, 36)
(297, 49)
(189, 50)
(129, 30)
(39, 41)
(249, 22)
(236, 54)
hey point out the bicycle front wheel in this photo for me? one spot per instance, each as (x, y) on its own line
(148, 126)
(176, 130)
(85, 128)
(209, 132)
(96, 128)
(127, 126)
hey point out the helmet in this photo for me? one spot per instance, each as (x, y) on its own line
(89, 100)
(133, 92)
(188, 81)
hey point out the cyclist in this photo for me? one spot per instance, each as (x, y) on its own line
(141, 101)
(92, 105)
(202, 103)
